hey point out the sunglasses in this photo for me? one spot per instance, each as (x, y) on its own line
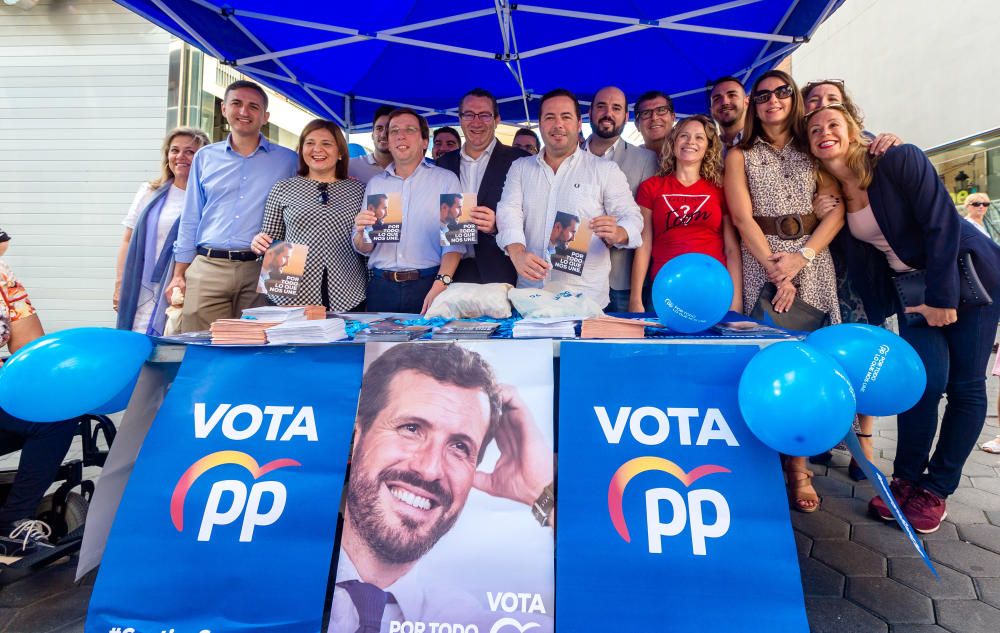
(648, 113)
(324, 195)
(979, 204)
(781, 92)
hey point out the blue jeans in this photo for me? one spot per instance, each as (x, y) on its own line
(955, 358)
(384, 295)
(43, 447)
(619, 301)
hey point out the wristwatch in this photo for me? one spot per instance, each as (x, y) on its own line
(445, 279)
(543, 506)
(809, 254)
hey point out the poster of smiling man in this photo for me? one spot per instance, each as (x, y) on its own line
(449, 511)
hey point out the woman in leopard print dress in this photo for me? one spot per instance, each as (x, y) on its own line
(770, 175)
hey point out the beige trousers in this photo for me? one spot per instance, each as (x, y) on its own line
(218, 289)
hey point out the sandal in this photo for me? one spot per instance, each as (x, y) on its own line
(854, 470)
(993, 446)
(801, 498)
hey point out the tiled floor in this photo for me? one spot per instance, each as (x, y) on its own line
(859, 575)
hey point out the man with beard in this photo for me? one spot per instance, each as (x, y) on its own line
(728, 102)
(608, 116)
(363, 168)
(482, 166)
(451, 209)
(654, 118)
(563, 177)
(425, 418)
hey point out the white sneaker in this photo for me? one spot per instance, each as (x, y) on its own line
(993, 446)
(26, 537)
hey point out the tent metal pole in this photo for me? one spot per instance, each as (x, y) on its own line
(348, 115)
(601, 17)
(184, 25)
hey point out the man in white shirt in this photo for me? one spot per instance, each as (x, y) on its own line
(608, 116)
(408, 274)
(425, 418)
(562, 177)
(363, 168)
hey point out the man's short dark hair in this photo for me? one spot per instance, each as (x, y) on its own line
(649, 95)
(526, 132)
(560, 92)
(381, 111)
(425, 130)
(481, 92)
(376, 198)
(243, 83)
(447, 130)
(721, 80)
(449, 198)
(444, 362)
(565, 219)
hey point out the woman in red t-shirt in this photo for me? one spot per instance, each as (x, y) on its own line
(684, 209)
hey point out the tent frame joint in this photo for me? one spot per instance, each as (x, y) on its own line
(226, 11)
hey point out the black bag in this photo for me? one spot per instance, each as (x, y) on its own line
(801, 316)
(971, 292)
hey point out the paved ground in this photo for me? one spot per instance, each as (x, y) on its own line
(859, 575)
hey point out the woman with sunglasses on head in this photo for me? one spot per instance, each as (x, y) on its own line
(900, 220)
(317, 208)
(145, 257)
(690, 170)
(770, 182)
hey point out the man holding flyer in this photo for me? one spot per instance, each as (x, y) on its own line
(594, 190)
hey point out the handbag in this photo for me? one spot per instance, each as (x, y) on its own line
(801, 317)
(910, 288)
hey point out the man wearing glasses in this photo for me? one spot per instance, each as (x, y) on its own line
(728, 103)
(482, 166)
(409, 274)
(364, 167)
(608, 116)
(654, 117)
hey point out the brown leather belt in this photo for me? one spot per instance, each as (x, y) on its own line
(788, 227)
(400, 275)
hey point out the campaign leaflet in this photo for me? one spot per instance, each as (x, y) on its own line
(453, 447)
(457, 226)
(282, 269)
(388, 210)
(568, 243)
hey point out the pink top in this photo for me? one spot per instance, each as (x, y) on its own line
(864, 227)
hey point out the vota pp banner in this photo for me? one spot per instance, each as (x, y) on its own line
(229, 518)
(453, 449)
(672, 516)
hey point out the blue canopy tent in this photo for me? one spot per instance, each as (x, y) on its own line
(342, 60)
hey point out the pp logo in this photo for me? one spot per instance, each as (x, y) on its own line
(508, 625)
(244, 502)
(689, 511)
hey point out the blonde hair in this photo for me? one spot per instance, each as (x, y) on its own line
(859, 161)
(979, 195)
(711, 165)
(166, 174)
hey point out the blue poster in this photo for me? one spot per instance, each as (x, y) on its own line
(228, 520)
(672, 516)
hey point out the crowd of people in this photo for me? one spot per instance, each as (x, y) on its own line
(812, 216)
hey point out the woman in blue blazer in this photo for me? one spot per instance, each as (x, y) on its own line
(899, 219)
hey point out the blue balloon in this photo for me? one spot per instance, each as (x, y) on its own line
(118, 402)
(355, 150)
(72, 372)
(887, 374)
(796, 399)
(692, 292)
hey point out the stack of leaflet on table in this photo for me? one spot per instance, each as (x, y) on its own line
(546, 327)
(615, 327)
(280, 314)
(240, 331)
(464, 330)
(307, 332)
(388, 331)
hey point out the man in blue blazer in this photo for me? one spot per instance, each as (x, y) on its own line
(481, 164)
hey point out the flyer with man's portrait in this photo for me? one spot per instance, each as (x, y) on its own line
(282, 268)
(457, 226)
(569, 241)
(449, 503)
(388, 210)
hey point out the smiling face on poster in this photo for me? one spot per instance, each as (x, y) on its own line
(453, 447)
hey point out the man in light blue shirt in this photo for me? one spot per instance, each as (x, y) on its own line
(223, 210)
(410, 273)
